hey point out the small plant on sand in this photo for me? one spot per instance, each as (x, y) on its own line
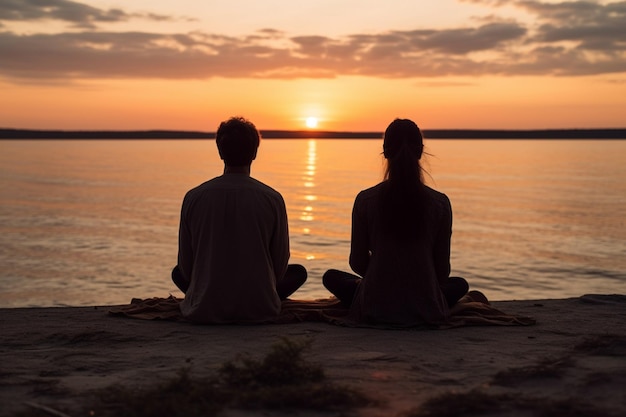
(281, 380)
(283, 365)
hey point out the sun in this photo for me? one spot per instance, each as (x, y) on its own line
(311, 122)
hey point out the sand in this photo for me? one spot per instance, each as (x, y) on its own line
(575, 354)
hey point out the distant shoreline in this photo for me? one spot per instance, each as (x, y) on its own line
(617, 133)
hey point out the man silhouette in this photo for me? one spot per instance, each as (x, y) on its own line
(234, 240)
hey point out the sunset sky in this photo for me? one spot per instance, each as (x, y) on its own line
(351, 64)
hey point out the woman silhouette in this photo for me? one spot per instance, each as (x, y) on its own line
(401, 231)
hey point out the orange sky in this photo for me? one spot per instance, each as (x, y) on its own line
(354, 65)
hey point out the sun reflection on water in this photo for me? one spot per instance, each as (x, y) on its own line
(307, 214)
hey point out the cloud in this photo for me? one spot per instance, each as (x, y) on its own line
(78, 14)
(592, 28)
(568, 38)
(466, 40)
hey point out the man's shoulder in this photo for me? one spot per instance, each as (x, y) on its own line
(233, 182)
(263, 187)
(263, 192)
(201, 187)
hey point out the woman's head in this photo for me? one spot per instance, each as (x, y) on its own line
(403, 147)
(403, 136)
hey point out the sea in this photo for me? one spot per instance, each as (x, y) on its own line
(95, 222)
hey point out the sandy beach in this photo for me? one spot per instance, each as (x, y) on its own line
(571, 362)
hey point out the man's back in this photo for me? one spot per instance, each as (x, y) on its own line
(234, 244)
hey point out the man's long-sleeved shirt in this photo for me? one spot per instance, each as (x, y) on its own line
(233, 247)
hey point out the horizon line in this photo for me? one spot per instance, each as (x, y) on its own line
(458, 133)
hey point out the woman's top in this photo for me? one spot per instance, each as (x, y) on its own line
(401, 278)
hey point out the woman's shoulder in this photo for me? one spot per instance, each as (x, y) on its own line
(370, 192)
(436, 194)
(375, 190)
(438, 197)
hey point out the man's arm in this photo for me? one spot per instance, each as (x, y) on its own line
(185, 250)
(280, 241)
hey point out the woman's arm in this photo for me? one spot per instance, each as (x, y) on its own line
(441, 250)
(359, 243)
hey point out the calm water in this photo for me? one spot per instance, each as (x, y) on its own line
(96, 222)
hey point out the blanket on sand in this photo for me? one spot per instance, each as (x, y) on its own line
(465, 313)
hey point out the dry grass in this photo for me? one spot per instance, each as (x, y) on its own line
(283, 379)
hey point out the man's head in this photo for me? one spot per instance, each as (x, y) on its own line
(237, 141)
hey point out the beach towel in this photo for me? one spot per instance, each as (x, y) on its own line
(465, 313)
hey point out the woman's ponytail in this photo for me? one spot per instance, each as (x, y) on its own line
(402, 205)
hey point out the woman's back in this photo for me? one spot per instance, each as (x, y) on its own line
(401, 275)
(401, 231)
